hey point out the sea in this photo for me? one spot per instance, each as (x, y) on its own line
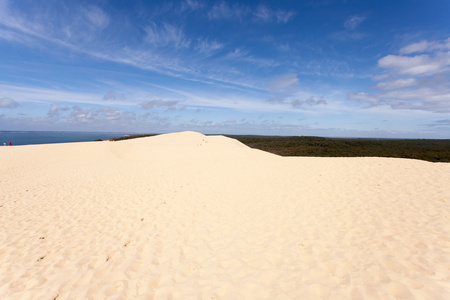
(17, 138)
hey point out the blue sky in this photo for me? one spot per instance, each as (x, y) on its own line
(314, 67)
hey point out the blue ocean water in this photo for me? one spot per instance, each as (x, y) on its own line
(51, 137)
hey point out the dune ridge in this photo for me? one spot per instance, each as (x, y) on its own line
(188, 216)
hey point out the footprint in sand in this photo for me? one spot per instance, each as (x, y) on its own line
(41, 258)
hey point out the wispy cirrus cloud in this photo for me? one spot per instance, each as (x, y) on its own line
(28, 94)
(222, 11)
(12, 36)
(166, 35)
(207, 46)
(94, 17)
(418, 81)
(79, 24)
(353, 22)
(91, 31)
(262, 13)
(243, 55)
(266, 14)
(286, 83)
(191, 5)
(351, 31)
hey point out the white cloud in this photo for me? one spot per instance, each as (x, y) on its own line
(425, 46)
(104, 115)
(426, 99)
(418, 82)
(92, 119)
(396, 84)
(311, 101)
(423, 64)
(55, 110)
(296, 103)
(7, 102)
(159, 103)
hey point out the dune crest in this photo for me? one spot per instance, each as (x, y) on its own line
(181, 145)
(189, 139)
(188, 216)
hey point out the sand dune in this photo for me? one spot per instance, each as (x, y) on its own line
(188, 216)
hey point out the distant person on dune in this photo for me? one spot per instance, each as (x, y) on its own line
(10, 144)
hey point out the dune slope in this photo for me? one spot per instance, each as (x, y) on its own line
(188, 216)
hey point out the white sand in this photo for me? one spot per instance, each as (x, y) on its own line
(184, 216)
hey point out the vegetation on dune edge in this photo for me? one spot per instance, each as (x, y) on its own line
(429, 150)
(423, 149)
(128, 137)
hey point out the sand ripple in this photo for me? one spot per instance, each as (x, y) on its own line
(184, 216)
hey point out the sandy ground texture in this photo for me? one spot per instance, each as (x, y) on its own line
(188, 216)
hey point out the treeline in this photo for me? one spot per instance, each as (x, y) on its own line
(128, 137)
(424, 149)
